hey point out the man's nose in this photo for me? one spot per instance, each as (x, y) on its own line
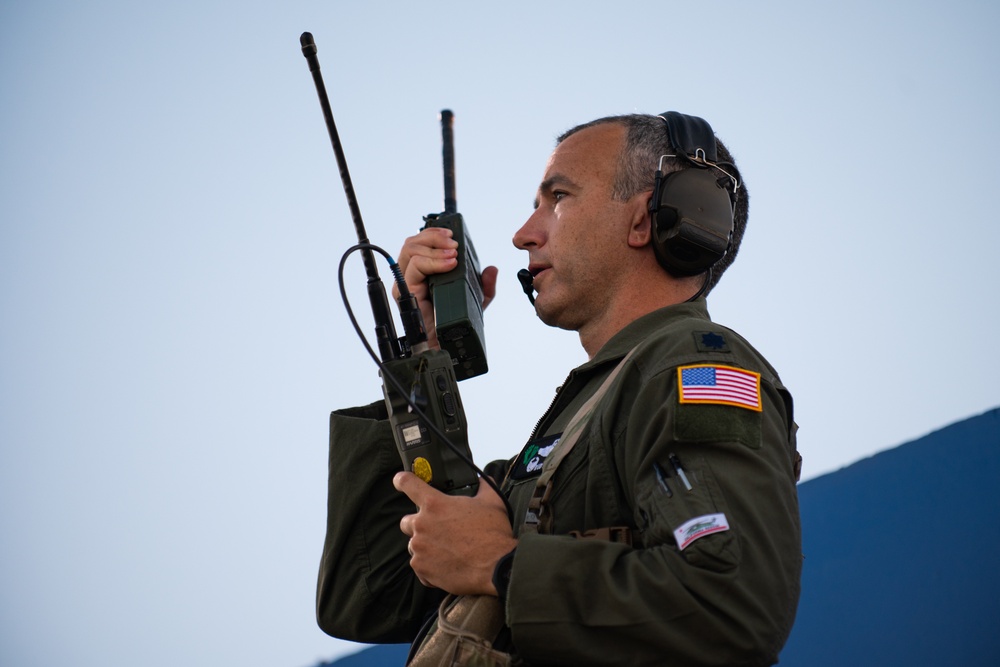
(529, 235)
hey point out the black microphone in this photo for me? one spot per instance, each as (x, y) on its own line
(526, 279)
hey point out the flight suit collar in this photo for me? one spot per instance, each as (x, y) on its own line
(640, 329)
(612, 352)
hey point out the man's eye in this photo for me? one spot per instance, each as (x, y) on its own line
(558, 194)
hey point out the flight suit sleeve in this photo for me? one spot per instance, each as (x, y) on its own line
(725, 597)
(366, 590)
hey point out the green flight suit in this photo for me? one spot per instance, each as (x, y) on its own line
(727, 598)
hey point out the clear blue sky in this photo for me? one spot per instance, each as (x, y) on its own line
(171, 220)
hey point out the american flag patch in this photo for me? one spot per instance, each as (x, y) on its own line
(725, 385)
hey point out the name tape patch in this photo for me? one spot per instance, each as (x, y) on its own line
(720, 385)
(699, 527)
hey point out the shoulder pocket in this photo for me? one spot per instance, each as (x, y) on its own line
(696, 520)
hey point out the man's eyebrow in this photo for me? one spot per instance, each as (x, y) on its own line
(552, 181)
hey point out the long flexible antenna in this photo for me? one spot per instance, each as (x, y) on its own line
(385, 330)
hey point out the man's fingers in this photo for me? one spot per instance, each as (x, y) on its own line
(489, 284)
(431, 251)
(488, 495)
(438, 260)
(434, 251)
(415, 488)
(426, 242)
(410, 484)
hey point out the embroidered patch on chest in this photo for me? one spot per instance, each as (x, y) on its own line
(716, 384)
(533, 456)
(699, 527)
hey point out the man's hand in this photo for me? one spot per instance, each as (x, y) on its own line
(433, 251)
(455, 541)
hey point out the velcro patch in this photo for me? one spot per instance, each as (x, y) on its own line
(699, 527)
(720, 385)
(710, 341)
(532, 458)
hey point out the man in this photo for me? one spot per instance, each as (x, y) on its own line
(668, 531)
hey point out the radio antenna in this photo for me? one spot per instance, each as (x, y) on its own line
(448, 159)
(385, 331)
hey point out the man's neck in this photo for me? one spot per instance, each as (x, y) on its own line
(596, 333)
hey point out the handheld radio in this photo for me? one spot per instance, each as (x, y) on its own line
(419, 384)
(457, 294)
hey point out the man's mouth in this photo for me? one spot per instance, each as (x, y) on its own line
(536, 269)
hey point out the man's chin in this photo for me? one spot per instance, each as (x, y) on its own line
(552, 314)
(544, 311)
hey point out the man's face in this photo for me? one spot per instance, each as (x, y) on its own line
(577, 237)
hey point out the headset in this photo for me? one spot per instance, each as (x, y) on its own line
(692, 209)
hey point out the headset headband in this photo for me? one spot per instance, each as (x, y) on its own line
(691, 135)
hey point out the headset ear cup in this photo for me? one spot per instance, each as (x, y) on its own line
(692, 222)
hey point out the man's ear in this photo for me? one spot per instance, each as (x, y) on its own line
(640, 232)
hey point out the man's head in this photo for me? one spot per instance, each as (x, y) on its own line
(646, 140)
(577, 237)
(589, 239)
